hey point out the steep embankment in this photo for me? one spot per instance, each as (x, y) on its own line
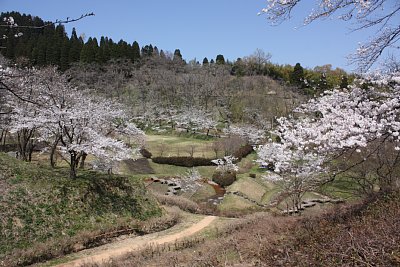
(44, 214)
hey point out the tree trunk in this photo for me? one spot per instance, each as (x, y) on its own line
(53, 160)
(73, 164)
(4, 138)
(25, 144)
(82, 163)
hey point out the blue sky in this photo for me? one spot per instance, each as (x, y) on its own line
(205, 28)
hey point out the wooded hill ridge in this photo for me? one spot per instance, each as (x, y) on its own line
(50, 45)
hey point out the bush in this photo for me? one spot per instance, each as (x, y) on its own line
(183, 161)
(242, 152)
(224, 179)
(145, 153)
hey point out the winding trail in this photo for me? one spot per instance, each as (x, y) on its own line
(106, 252)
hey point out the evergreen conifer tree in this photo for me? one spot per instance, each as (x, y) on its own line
(135, 51)
(220, 60)
(297, 76)
(162, 54)
(75, 47)
(177, 56)
(64, 57)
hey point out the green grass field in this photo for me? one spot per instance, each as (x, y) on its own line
(169, 145)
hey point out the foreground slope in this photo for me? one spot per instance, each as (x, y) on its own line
(43, 213)
(365, 234)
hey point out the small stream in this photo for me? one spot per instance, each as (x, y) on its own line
(219, 193)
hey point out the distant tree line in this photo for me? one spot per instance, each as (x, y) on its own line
(43, 46)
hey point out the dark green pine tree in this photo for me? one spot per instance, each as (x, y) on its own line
(106, 52)
(297, 76)
(156, 52)
(64, 58)
(10, 47)
(99, 56)
(162, 54)
(96, 48)
(147, 51)
(177, 56)
(123, 49)
(220, 60)
(88, 53)
(53, 51)
(39, 52)
(205, 61)
(135, 55)
(75, 47)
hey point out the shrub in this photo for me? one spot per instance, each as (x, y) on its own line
(145, 153)
(183, 161)
(243, 152)
(224, 178)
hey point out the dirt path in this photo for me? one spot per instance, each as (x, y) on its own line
(104, 253)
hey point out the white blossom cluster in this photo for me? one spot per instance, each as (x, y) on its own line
(161, 119)
(226, 164)
(194, 119)
(76, 121)
(336, 121)
(191, 181)
(9, 21)
(250, 133)
(290, 162)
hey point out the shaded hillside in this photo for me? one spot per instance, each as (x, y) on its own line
(43, 213)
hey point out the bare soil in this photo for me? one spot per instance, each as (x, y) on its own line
(104, 254)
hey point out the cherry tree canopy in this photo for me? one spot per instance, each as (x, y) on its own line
(335, 122)
(76, 122)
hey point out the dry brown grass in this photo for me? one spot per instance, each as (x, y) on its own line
(87, 239)
(178, 201)
(365, 234)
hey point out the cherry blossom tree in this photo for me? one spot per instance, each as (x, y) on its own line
(337, 124)
(190, 182)
(379, 15)
(250, 133)
(74, 122)
(226, 164)
(299, 171)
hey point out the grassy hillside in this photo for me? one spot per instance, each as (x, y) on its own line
(41, 207)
